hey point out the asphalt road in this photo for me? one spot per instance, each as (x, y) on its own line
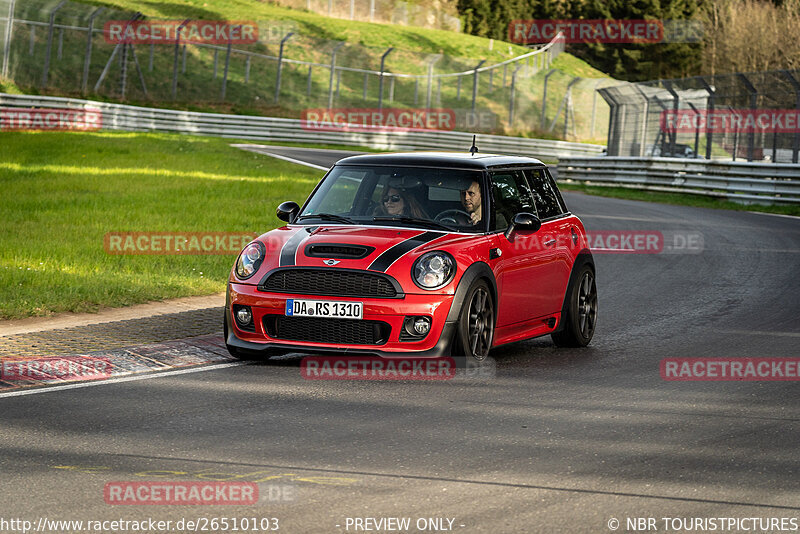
(558, 440)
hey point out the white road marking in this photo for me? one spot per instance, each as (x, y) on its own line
(760, 333)
(297, 161)
(79, 385)
(775, 214)
(259, 150)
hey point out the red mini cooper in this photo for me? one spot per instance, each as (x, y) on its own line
(416, 254)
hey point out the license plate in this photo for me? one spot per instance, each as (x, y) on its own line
(324, 308)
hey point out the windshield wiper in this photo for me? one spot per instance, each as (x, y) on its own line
(327, 217)
(414, 220)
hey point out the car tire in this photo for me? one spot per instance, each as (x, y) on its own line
(233, 351)
(475, 332)
(579, 317)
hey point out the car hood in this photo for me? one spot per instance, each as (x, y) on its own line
(379, 249)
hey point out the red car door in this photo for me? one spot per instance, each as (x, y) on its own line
(526, 268)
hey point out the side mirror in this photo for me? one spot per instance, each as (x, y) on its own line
(287, 211)
(524, 221)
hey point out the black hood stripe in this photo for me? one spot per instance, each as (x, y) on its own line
(385, 260)
(289, 250)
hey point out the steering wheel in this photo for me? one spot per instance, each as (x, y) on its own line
(454, 216)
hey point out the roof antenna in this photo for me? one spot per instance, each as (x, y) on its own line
(473, 148)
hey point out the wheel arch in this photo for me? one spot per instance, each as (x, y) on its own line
(584, 257)
(474, 272)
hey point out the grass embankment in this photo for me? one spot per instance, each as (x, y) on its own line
(315, 38)
(62, 192)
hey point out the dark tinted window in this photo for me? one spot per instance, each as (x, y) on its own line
(545, 196)
(511, 195)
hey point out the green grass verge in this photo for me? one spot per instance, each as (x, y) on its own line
(62, 192)
(678, 199)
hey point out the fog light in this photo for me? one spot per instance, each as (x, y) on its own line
(243, 316)
(422, 325)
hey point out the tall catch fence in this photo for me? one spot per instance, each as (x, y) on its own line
(438, 14)
(739, 117)
(67, 48)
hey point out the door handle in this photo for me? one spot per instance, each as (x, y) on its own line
(549, 242)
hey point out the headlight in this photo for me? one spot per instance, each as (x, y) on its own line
(433, 270)
(250, 260)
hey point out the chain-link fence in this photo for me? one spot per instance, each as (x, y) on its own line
(73, 49)
(752, 116)
(438, 14)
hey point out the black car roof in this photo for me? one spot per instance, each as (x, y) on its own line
(441, 159)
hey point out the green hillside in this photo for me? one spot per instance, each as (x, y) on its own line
(251, 82)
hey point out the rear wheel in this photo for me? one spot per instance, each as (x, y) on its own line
(476, 324)
(580, 315)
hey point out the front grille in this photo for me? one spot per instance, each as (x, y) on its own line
(332, 282)
(339, 331)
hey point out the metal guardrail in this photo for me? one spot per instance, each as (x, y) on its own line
(737, 181)
(141, 119)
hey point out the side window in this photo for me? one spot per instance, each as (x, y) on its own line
(511, 195)
(545, 195)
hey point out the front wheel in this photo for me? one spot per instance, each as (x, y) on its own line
(476, 323)
(580, 316)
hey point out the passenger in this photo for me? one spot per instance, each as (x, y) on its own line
(397, 202)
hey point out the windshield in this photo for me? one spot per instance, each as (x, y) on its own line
(445, 199)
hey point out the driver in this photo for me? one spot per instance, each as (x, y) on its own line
(471, 200)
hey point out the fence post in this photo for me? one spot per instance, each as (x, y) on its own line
(544, 97)
(383, 69)
(645, 117)
(673, 138)
(150, 57)
(280, 66)
(709, 112)
(696, 130)
(9, 33)
(431, 63)
(308, 82)
(371, 10)
(88, 57)
(32, 41)
(475, 83)
(511, 96)
(796, 142)
(227, 65)
(216, 60)
(247, 68)
(175, 59)
(49, 48)
(594, 106)
(751, 136)
(333, 68)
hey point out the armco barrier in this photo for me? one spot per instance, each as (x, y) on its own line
(737, 181)
(141, 119)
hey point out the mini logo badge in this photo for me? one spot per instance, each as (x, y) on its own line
(330, 262)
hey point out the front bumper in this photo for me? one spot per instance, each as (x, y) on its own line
(391, 311)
